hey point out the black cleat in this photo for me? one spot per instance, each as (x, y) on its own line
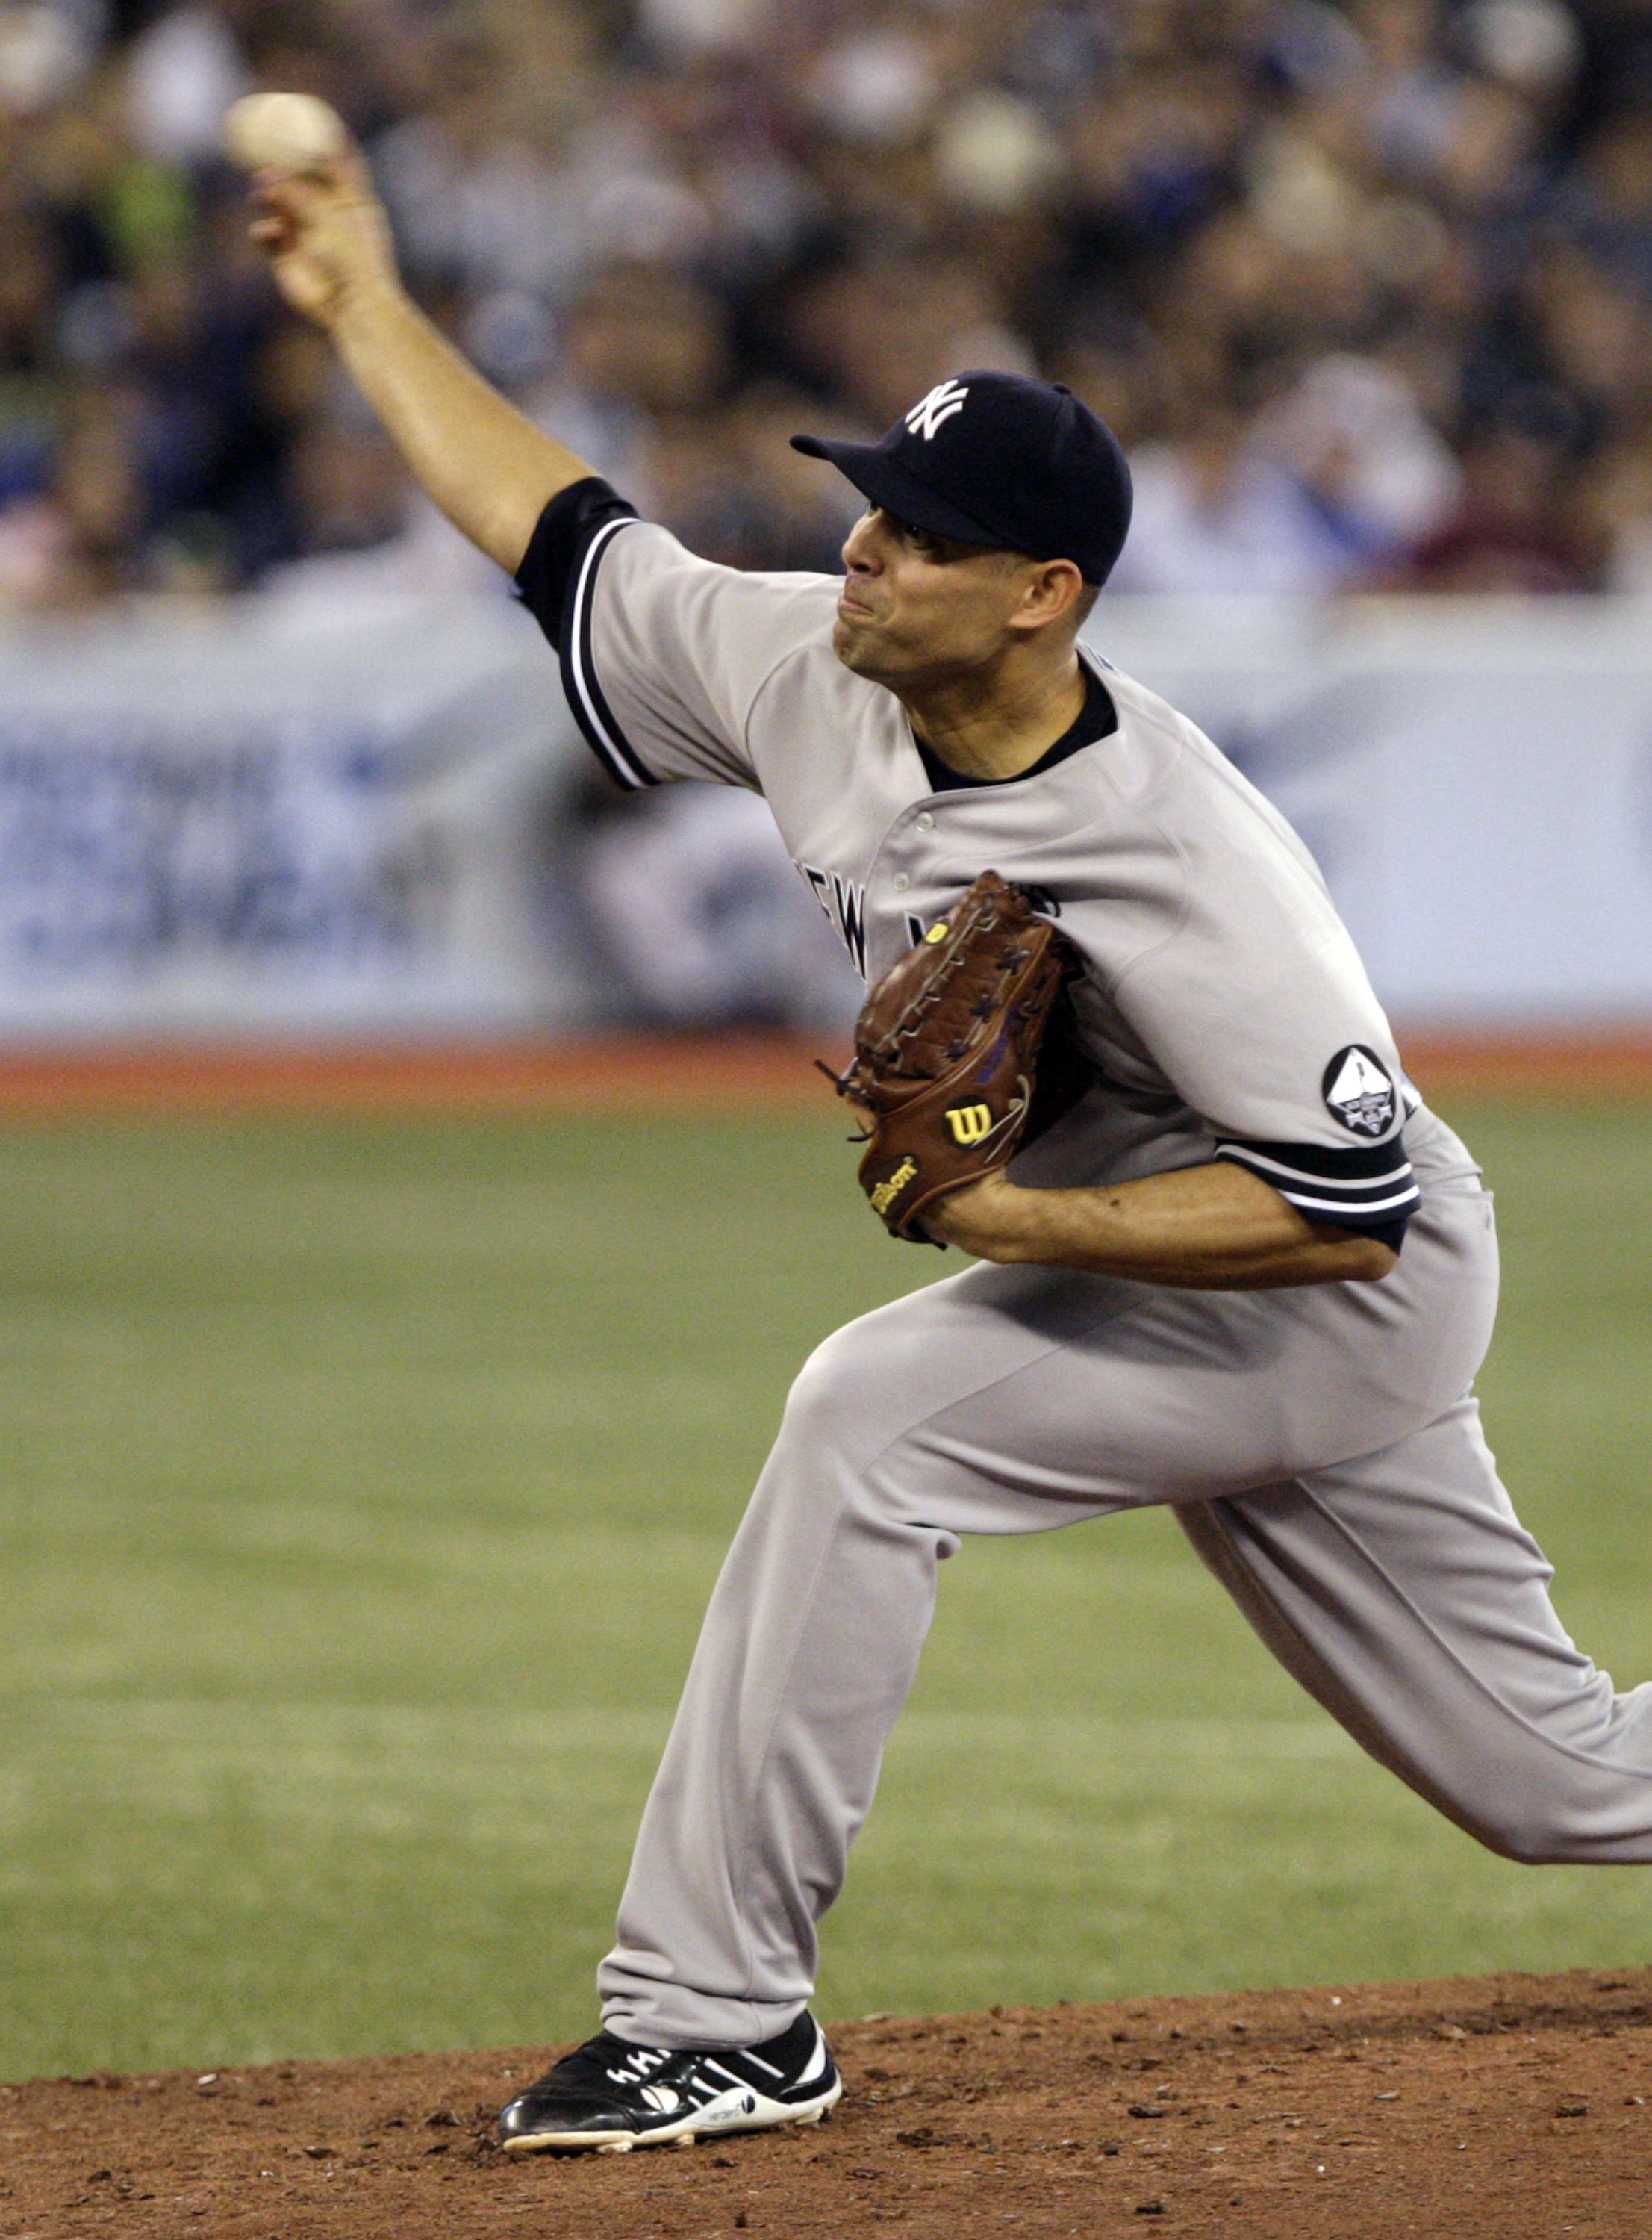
(613, 2097)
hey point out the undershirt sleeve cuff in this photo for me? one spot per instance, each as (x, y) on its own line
(1367, 1188)
(555, 583)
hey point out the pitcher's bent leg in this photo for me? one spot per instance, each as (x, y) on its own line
(1004, 1400)
(808, 1654)
(1402, 1592)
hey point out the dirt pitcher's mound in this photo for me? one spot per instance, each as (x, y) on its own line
(1505, 2108)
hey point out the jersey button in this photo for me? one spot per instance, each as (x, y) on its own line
(926, 822)
(900, 882)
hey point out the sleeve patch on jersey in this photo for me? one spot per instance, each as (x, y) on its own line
(1359, 1092)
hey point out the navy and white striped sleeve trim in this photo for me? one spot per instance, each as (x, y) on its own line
(558, 582)
(1368, 1187)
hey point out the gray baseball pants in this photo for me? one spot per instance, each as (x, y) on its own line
(1326, 1460)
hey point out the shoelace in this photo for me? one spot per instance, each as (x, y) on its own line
(638, 2064)
(596, 2068)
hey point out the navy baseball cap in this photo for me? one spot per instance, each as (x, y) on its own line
(998, 459)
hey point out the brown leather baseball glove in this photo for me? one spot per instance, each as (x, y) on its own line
(946, 1050)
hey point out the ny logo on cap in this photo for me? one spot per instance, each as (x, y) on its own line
(942, 401)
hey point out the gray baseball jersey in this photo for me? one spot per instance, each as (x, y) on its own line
(1321, 1444)
(1223, 1006)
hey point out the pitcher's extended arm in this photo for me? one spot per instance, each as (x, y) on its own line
(487, 466)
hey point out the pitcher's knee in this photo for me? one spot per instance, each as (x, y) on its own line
(1571, 1825)
(1528, 1840)
(843, 1392)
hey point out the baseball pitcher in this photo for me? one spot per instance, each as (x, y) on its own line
(1245, 1272)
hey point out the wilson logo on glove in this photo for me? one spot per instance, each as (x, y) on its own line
(886, 1192)
(965, 1010)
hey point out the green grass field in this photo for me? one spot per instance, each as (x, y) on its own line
(363, 1482)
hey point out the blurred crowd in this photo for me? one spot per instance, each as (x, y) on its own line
(1366, 288)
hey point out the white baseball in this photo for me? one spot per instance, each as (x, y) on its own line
(286, 131)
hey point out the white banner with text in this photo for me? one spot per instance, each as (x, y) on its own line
(247, 822)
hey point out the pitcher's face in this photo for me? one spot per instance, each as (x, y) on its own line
(917, 607)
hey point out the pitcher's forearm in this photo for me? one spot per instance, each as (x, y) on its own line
(487, 466)
(1217, 1228)
(483, 463)
(1106, 1239)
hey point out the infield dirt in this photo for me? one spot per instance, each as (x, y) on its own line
(1499, 2108)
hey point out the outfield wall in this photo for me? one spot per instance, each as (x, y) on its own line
(262, 820)
(265, 822)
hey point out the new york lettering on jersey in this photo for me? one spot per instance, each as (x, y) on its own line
(844, 902)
